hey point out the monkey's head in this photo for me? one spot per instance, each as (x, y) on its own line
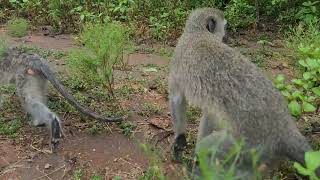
(207, 19)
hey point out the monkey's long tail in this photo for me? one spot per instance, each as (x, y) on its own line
(45, 70)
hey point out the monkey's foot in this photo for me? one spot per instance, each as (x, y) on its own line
(179, 144)
(56, 134)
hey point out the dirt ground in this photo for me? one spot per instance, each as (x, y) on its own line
(110, 153)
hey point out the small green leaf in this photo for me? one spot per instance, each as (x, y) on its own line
(301, 169)
(285, 93)
(297, 82)
(297, 95)
(151, 69)
(307, 75)
(307, 107)
(303, 63)
(280, 78)
(294, 108)
(316, 90)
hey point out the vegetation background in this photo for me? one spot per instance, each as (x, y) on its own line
(108, 29)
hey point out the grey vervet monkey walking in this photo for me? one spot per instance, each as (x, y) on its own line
(232, 92)
(31, 74)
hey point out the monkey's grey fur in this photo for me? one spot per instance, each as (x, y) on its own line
(15, 67)
(232, 92)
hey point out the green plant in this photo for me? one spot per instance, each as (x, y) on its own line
(104, 47)
(228, 163)
(18, 27)
(96, 177)
(154, 171)
(150, 108)
(312, 160)
(77, 174)
(303, 92)
(240, 13)
(127, 128)
(10, 128)
(308, 13)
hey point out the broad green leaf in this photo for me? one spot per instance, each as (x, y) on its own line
(312, 63)
(297, 95)
(312, 160)
(307, 75)
(303, 63)
(297, 82)
(301, 169)
(285, 93)
(308, 107)
(280, 78)
(294, 108)
(316, 90)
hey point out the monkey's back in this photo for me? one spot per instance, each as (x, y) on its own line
(220, 80)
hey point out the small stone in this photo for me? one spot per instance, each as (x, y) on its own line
(47, 166)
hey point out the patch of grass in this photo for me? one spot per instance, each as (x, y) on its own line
(258, 59)
(149, 109)
(303, 35)
(193, 113)
(165, 52)
(77, 174)
(160, 85)
(45, 53)
(154, 171)
(10, 128)
(96, 177)
(94, 129)
(127, 127)
(18, 27)
(3, 46)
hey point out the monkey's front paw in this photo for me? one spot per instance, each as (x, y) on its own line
(179, 144)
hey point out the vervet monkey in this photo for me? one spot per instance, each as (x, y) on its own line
(30, 73)
(232, 92)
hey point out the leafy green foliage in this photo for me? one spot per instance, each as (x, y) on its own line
(226, 166)
(235, 13)
(127, 128)
(303, 92)
(154, 171)
(10, 128)
(312, 160)
(77, 174)
(149, 109)
(104, 46)
(96, 177)
(18, 27)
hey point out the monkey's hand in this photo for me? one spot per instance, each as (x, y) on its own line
(178, 146)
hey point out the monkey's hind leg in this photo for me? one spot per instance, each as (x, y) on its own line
(178, 111)
(41, 115)
(31, 92)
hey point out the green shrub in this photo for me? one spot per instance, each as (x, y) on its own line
(303, 92)
(18, 27)
(312, 160)
(104, 46)
(240, 14)
(229, 162)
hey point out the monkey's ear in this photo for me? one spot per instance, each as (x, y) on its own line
(211, 25)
